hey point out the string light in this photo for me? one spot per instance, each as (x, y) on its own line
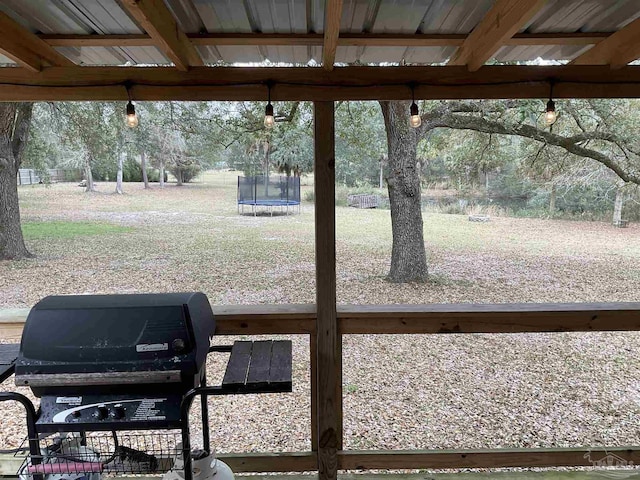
(269, 121)
(550, 115)
(132, 118)
(414, 120)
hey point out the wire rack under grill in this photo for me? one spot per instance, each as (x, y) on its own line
(104, 453)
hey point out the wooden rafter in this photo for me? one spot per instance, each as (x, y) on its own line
(25, 48)
(316, 39)
(500, 23)
(332, 17)
(616, 50)
(156, 19)
(305, 83)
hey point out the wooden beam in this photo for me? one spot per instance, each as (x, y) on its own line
(408, 319)
(616, 50)
(332, 17)
(500, 23)
(577, 38)
(316, 84)
(329, 358)
(316, 39)
(479, 318)
(25, 48)
(489, 458)
(270, 462)
(156, 19)
(266, 319)
(313, 384)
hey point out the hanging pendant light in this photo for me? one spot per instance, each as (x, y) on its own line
(269, 120)
(550, 115)
(414, 120)
(132, 118)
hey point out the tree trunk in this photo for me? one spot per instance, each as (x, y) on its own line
(15, 120)
(408, 257)
(552, 199)
(119, 174)
(617, 206)
(88, 176)
(178, 177)
(143, 162)
(161, 174)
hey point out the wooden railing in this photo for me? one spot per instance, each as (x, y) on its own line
(413, 319)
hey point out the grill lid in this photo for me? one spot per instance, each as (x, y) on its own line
(95, 340)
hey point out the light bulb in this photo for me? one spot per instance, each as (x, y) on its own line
(269, 121)
(415, 121)
(132, 118)
(550, 115)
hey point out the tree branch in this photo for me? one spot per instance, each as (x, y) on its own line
(570, 144)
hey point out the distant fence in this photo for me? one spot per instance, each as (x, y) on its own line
(29, 176)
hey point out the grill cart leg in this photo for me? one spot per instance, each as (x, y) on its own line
(34, 444)
(185, 406)
(204, 403)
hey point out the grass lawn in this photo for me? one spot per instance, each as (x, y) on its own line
(192, 237)
(454, 391)
(57, 229)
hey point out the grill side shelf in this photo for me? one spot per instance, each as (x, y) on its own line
(235, 376)
(259, 367)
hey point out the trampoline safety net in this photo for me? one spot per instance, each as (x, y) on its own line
(276, 191)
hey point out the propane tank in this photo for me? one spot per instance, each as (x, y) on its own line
(204, 465)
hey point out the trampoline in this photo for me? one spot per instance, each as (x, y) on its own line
(278, 192)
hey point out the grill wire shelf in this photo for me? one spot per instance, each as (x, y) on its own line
(104, 453)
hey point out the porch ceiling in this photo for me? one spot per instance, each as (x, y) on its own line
(38, 36)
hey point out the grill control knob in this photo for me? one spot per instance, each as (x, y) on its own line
(102, 412)
(118, 412)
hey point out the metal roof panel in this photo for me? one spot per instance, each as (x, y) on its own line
(114, 55)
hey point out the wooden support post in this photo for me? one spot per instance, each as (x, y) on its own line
(329, 401)
(313, 366)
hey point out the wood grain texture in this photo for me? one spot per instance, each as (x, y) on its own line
(486, 318)
(235, 375)
(328, 349)
(489, 458)
(156, 19)
(332, 17)
(616, 50)
(25, 48)
(317, 39)
(306, 83)
(500, 23)
(413, 319)
(313, 372)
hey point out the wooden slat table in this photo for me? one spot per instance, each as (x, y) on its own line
(8, 355)
(259, 366)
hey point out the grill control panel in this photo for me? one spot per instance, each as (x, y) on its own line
(102, 412)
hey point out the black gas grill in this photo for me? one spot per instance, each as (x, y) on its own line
(130, 362)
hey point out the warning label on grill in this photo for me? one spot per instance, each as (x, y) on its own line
(152, 347)
(147, 410)
(69, 400)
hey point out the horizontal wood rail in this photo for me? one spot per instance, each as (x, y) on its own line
(489, 458)
(408, 319)
(411, 319)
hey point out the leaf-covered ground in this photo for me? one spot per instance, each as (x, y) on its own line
(457, 391)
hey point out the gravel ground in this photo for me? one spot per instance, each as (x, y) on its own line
(419, 391)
